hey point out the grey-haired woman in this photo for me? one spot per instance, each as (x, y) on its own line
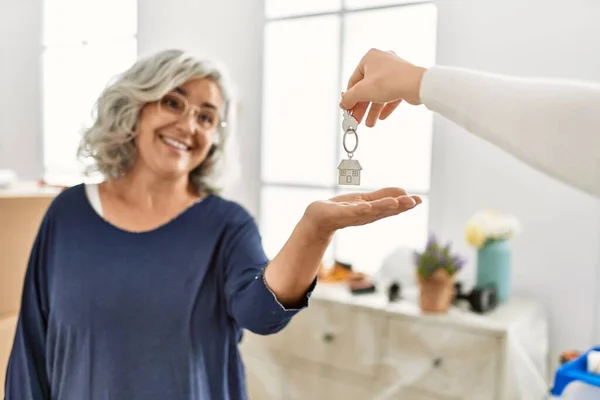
(140, 287)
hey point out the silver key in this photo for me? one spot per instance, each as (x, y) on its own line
(349, 170)
(349, 122)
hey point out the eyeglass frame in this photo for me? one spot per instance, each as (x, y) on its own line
(188, 107)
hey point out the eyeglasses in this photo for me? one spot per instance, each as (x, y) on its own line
(177, 106)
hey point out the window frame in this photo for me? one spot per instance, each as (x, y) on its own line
(334, 186)
(73, 173)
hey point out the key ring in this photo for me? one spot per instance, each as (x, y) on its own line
(350, 131)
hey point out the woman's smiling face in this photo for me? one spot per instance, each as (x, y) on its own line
(175, 134)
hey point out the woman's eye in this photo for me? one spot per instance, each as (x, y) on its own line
(172, 103)
(205, 119)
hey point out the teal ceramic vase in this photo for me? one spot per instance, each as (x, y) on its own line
(493, 266)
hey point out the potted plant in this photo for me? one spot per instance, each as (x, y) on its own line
(436, 268)
(490, 232)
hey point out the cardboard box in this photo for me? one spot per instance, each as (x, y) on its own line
(8, 324)
(21, 213)
(22, 208)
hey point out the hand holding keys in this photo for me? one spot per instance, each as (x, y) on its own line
(349, 170)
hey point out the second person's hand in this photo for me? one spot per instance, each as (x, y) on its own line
(382, 80)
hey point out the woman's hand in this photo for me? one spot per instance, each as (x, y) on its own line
(381, 80)
(354, 209)
(295, 267)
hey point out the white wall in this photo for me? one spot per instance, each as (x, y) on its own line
(20, 87)
(557, 256)
(229, 31)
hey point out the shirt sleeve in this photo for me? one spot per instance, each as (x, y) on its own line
(552, 125)
(26, 376)
(249, 300)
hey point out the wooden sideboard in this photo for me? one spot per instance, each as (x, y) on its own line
(346, 346)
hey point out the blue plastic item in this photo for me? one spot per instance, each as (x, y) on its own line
(575, 370)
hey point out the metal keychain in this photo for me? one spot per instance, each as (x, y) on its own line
(349, 170)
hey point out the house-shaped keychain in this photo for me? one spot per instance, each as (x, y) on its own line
(349, 172)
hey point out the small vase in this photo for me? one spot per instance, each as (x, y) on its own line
(436, 292)
(493, 267)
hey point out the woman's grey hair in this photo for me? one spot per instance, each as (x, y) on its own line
(109, 141)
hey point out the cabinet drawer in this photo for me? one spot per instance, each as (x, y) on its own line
(305, 380)
(338, 336)
(261, 346)
(445, 361)
(406, 393)
(264, 378)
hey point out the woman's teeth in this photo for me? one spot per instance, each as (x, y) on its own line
(174, 143)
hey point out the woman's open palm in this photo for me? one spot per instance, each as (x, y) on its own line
(354, 209)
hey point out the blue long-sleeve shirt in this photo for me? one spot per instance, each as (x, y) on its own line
(108, 314)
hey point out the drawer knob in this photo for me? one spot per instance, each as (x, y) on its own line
(328, 337)
(437, 362)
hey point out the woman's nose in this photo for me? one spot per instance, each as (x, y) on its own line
(189, 122)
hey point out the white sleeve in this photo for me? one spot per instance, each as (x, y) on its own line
(551, 125)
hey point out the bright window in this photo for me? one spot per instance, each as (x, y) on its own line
(85, 44)
(311, 48)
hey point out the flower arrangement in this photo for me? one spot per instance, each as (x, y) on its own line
(491, 225)
(437, 257)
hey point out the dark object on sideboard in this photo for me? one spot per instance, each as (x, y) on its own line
(480, 299)
(360, 284)
(394, 292)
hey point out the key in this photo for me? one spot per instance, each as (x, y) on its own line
(349, 122)
(349, 170)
